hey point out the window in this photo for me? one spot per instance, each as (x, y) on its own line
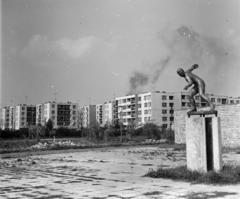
(219, 100)
(139, 105)
(139, 112)
(197, 98)
(171, 119)
(164, 97)
(171, 111)
(148, 97)
(53, 105)
(145, 104)
(164, 119)
(231, 102)
(164, 126)
(164, 111)
(171, 104)
(183, 104)
(139, 98)
(147, 119)
(53, 112)
(171, 97)
(212, 99)
(183, 96)
(164, 104)
(237, 101)
(74, 106)
(124, 100)
(224, 101)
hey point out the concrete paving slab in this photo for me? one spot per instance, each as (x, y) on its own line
(104, 173)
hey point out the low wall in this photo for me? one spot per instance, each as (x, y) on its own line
(229, 125)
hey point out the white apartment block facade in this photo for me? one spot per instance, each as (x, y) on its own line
(12, 118)
(88, 116)
(126, 109)
(158, 107)
(18, 117)
(107, 113)
(25, 116)
(99, 114)
(61, 114)
(5, 118)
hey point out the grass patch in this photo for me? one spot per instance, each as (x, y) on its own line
(28, 145)
(228, 175)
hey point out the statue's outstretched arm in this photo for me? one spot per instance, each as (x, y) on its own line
(194, 66)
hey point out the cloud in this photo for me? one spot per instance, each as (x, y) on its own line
(77, 48)
(41, 49)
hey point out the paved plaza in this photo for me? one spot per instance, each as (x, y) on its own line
(103, 173)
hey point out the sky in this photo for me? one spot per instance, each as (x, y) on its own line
(90, 51)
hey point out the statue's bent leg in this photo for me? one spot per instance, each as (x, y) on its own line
(192, 101)
(207, 99)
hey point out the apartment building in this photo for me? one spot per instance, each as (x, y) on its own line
(158, 107)
(25, 116)
(39, 114)
(215, 99)
(99, 114)
(126, 109)
(61, 114)
(88, 117)
(5, 118)
(12, 110)
(108, 116)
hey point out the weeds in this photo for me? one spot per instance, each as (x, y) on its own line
(228, 175)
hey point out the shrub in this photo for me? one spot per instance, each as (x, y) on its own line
(168, 135)
(228, 175)
(152, 131)
(66, 132)
(12, 134)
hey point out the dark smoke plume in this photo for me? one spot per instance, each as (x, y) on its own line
(138, 79)
(183, 47)
(161, 67)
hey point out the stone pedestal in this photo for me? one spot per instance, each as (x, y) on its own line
(203, 143)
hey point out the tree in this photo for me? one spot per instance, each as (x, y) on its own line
(152, 131)
(49, 126)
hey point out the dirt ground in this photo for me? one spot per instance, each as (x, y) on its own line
(103, 173)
